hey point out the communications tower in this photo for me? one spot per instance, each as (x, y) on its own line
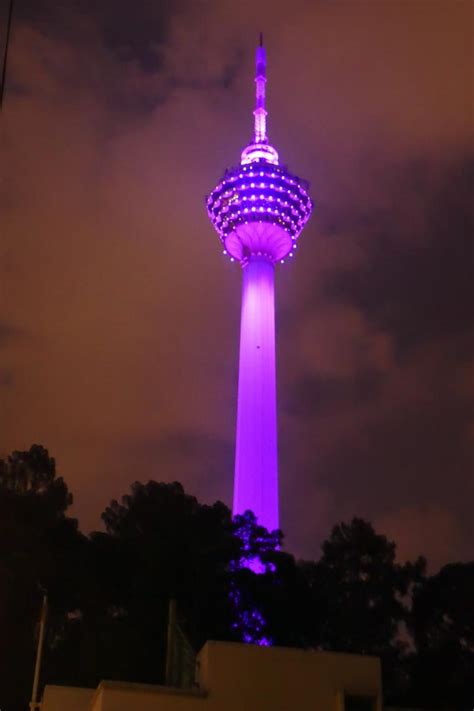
(258, 209)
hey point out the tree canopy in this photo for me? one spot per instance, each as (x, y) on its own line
(109, 591)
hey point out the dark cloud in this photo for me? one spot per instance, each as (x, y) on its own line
(318, 394)
(6, 378)
(9, 333)
(391, 430)
(201, 459)
(417, 281)
(132, 31)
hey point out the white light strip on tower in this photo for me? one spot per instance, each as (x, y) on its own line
(260, 113)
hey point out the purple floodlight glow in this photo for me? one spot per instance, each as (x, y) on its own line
(256, 552)
(250, 622)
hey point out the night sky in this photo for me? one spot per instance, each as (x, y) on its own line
(119, 319)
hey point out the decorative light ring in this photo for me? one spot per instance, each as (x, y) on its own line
(228, 203)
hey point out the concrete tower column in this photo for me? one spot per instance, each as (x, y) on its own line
(256, 461)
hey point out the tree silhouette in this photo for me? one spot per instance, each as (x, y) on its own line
(109, 592)
(363, 589)
(36, 538)
(160, 544)
(360, 596)
(443, 628)
(182, 546)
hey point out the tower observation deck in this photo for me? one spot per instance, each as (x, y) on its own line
(258, 210)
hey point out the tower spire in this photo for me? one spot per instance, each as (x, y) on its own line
(259, 148)
(260, 114)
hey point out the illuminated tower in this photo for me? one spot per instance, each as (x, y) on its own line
(258, 210)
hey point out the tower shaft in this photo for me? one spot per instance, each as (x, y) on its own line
(256, 466)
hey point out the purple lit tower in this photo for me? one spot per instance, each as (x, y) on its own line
(258, 210)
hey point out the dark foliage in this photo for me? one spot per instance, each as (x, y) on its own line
(38, 546)
(109, 592)
(442, 672)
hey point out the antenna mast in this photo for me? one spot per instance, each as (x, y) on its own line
(260, 113)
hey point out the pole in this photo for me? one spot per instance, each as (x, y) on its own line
(170, 642)
(34, 704)
(5, 54)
